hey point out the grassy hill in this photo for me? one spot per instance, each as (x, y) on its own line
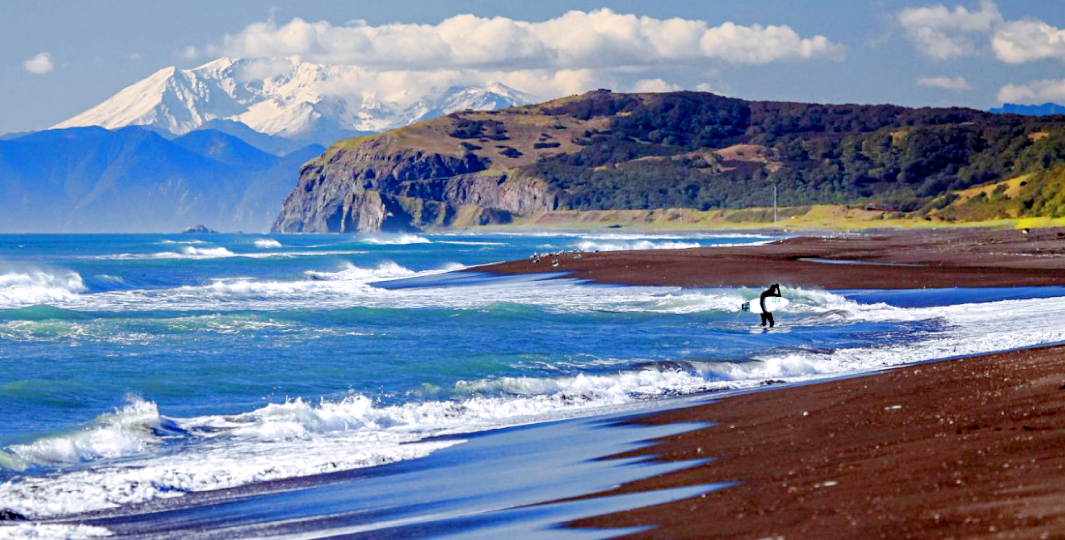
(604, 151)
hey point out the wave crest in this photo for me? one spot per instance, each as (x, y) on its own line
(267, 243)
(632, 245)
(395, 240)
(129, 430)
(31, 287)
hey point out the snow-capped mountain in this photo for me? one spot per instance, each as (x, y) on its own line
(460, 98)
(288, 98)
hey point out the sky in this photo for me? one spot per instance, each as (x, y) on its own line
(59, 58)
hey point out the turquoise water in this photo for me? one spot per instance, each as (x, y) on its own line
(140, 368)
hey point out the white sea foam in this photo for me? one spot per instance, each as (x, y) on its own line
(111, 279)
(127, 431)
(193, 253)
(49, 531)
(20, 288)
(267, 243)
(629, 245)
(638, 236)
(298, 438)
(281, 440)
(351, 286)
(469, 243)
(395, 239)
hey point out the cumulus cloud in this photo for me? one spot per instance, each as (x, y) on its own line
(39, 64)
(943, 33)
(572, 53)
(654, 85)
(1028, 40)
(577, 40)
(957, 84)
(1034, 92)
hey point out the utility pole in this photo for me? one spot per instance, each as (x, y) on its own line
(774, 204)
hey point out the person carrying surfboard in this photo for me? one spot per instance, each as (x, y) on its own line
(774, 290)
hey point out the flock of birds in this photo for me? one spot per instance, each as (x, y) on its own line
(577, 253)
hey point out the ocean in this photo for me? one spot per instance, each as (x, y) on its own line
(311, 386)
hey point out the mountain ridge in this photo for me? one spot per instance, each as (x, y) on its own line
(301, 101)
(134, 180)
(1046, 109)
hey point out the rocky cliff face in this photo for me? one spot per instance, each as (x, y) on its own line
(454, 171)
(373, 186)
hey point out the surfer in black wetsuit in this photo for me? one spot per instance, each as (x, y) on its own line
(766, 315)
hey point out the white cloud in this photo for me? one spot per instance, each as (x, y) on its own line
(1033, 92)
(39, 64)
(1028, 40)
(577, 40)
(654, 85)
(957, 84)
(942, 33)
(569, 54)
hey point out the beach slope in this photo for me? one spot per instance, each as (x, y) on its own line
(970, 448)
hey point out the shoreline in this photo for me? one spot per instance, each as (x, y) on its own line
(884, 260)
(969, 447)
(965, 447)
(805, 218)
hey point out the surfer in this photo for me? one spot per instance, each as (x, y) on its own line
(774, 290)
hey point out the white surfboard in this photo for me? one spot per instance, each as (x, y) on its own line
(772, 304)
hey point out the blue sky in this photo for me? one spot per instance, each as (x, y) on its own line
(60, 58)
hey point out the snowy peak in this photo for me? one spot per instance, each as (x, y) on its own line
(283, 97)
(460, 98)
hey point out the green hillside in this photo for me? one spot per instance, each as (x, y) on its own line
(689, 150)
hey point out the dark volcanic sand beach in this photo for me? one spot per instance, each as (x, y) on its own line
(893, 260)
(970, 448)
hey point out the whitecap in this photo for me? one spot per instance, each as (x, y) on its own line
(629, 245)
(470, 243)
(126, 431)
(39, 286)
(395, 240)
(267, 243)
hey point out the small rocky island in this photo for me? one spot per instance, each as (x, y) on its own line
(198, 229)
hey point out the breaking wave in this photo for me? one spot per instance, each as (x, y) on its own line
(38, 286)
(267, 243)
(129, 447)
(194, 253)
(629, 245)
(395, 240)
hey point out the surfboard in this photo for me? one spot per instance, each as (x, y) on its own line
(773, 304)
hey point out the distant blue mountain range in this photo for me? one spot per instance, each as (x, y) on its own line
(1045, 109)
(136, 180)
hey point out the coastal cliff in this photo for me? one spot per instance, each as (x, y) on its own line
(690, 151)
(448, 172)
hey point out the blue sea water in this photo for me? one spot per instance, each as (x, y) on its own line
(148, 369)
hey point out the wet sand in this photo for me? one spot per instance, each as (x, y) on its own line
(970, 448)
(891, 260)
